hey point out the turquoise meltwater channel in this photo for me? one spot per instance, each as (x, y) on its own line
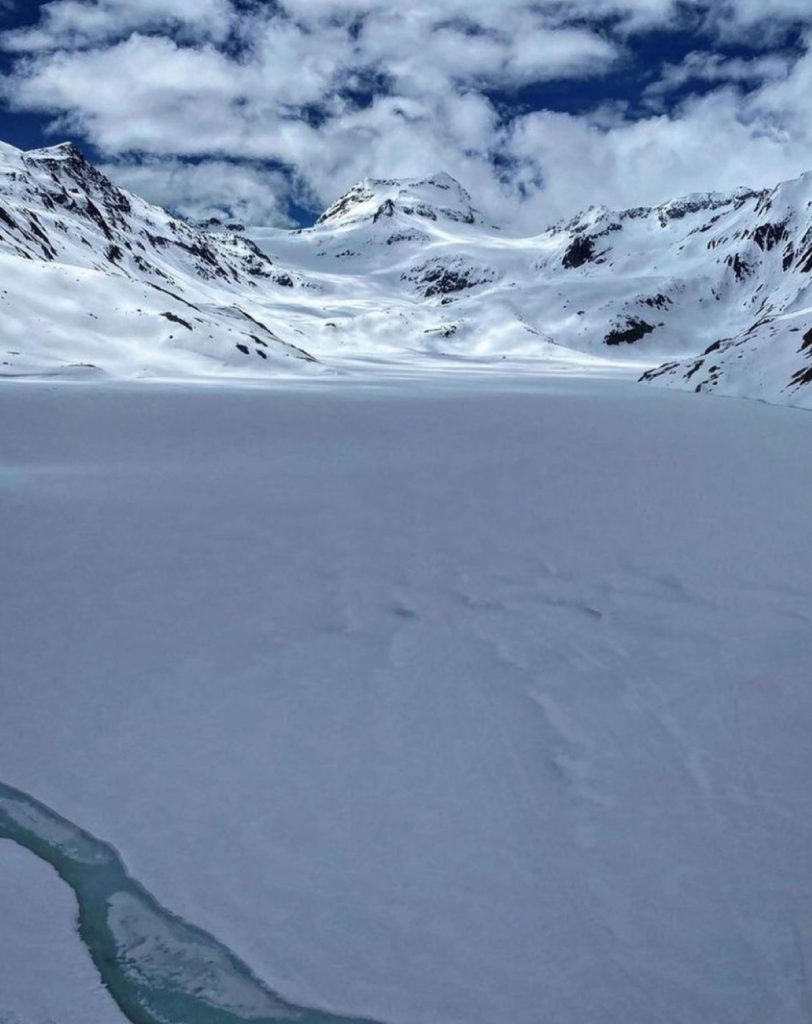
(157, 967)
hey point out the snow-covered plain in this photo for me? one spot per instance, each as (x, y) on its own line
(454, 700)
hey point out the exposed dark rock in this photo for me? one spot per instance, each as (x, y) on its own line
(421, 211)
(8, 220)
(178, 320)
(739, 267)
(659, 371)
(258, 323)
(695, 368)
(95, 215)
(768, 236)
(405, 236)
(447, 277)
(386, 209)
(580, 251)
(633, 330)
(801, 377)
(657, 301)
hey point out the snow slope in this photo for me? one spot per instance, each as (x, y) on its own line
(94, 279)
(708, 292)
(457, 701)
(649, 285)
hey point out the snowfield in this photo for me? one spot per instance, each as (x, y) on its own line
(453, 699)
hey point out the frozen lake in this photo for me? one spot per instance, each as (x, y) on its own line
(459, 701)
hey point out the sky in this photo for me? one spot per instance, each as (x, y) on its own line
(266, 110)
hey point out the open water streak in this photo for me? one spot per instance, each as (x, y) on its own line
(158, 968)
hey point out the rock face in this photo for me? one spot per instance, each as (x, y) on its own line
(709, 292)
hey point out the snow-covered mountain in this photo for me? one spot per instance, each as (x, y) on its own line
(711, 292)
(764, 349)
(413, 266)
(94, 278)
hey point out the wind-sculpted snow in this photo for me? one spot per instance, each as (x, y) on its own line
(96, 280)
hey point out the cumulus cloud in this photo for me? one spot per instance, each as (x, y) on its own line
(185, 96)
(210, 188)
(715, 143)
(69, 24)
(758, 22)
(708, 67)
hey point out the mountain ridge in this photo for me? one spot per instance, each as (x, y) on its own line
(707, 291)
(129, 287)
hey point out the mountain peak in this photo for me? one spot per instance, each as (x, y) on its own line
(439, 197)
(68, 151)
(719, 285)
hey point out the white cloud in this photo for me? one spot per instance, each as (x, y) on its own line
(65, 24)
(714, 143)
(210, 188)
(756, 22)
(155, 83)
(709, 67)
(418, 50)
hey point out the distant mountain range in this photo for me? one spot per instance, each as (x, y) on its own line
(709, 292)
